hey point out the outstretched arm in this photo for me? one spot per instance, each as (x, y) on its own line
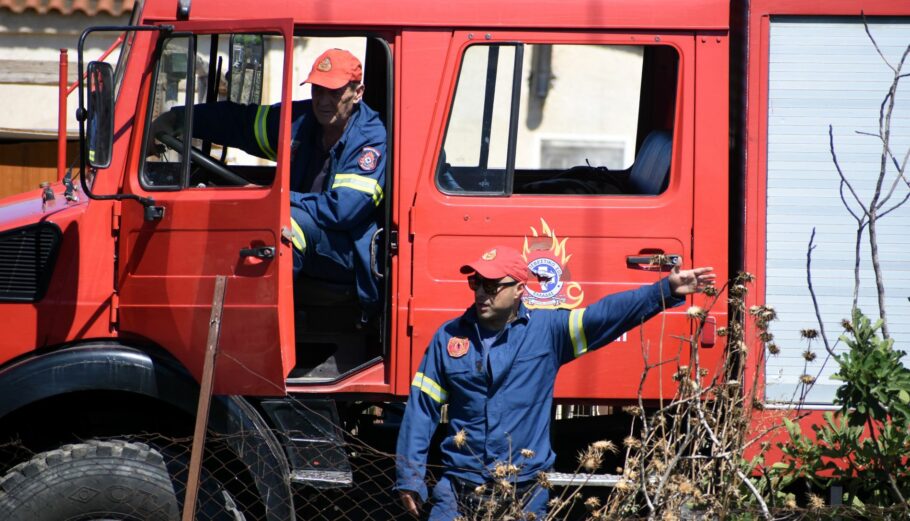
(582, 329)
(225, 123)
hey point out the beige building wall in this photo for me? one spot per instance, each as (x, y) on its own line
(30, 46)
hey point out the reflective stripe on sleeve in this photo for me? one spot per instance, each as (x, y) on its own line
(297, 237)
(262, 138)
(430, 388)
(577, 332)
(360, 183)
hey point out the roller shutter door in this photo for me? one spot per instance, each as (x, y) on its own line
(825, 71)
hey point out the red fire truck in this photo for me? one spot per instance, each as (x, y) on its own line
(590, 135)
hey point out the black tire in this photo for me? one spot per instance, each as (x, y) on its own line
(110, 480)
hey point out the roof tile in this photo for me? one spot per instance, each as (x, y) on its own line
(69, 7)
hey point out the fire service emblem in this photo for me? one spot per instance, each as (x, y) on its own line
(551, 283)
(458, 346)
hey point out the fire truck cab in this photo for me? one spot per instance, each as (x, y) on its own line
(573, 142)
(604, 140)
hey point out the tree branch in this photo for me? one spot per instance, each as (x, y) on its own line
(896, 206)
(874, 43)
(818, 314)
(738, 471)
(843, 178)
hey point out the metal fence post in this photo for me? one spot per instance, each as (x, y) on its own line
(205, 398)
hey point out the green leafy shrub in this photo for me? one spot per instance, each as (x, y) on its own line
(865, 447)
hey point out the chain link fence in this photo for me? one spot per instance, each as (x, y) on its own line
(144, 476)
(346, 474)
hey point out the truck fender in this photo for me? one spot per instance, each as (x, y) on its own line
(107, 366)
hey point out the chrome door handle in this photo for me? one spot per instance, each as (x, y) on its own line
(260, 252)
(656, 261)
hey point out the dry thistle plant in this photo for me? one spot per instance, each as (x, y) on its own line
(590, 462)
(687, 454)
(502, 499)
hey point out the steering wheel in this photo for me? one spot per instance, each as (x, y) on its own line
(207, 163)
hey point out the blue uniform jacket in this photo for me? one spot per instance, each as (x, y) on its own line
(502, 398)
(353, 189)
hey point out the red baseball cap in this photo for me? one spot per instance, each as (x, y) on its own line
(334, 69)
(499, 262)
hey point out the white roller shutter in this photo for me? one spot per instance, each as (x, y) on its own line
(825, 71)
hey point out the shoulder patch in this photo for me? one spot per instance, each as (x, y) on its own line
(369, 158)
(458, 346)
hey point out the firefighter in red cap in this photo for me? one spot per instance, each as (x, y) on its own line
(495, 367)
(338, 158)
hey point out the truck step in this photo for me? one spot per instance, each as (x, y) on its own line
(322, 478)
(312, 439)
(565, 479)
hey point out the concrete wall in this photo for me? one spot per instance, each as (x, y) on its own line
(29, 66)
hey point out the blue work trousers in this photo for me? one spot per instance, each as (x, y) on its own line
(328, 254)
(452, 498)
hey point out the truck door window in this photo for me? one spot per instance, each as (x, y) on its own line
(590, 119)
(213, 163)
(475, 152)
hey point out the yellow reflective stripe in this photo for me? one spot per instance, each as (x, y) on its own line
(431, 388)
(297, 236)
(262, 138)
(367, 185)
(577, 332)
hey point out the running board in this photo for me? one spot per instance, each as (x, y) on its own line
(322, 478)
(313, 442)
(563, 479)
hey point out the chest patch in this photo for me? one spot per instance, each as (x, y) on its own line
(458, 347)
(369, 158)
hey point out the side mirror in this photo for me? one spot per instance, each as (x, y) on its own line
(100, 109)
(245, 77)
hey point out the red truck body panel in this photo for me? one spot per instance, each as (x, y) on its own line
(575, 14)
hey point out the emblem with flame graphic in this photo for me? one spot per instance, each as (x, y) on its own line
(547, 258)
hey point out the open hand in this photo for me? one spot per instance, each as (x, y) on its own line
(684, 282)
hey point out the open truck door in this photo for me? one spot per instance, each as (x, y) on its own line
(216, 211)
(591, 198)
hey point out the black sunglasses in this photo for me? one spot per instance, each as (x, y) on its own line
(491, 287)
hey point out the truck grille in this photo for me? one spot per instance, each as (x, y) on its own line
(27, 257)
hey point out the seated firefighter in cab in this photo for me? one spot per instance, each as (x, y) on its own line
(338, 162)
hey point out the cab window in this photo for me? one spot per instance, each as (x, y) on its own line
(244, 68)
(561, 119)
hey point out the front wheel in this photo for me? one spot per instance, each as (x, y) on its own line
(110, 480)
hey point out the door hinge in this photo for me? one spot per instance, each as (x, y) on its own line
(412, 221)
(115, 216)
(410, 316)
(115, 312)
